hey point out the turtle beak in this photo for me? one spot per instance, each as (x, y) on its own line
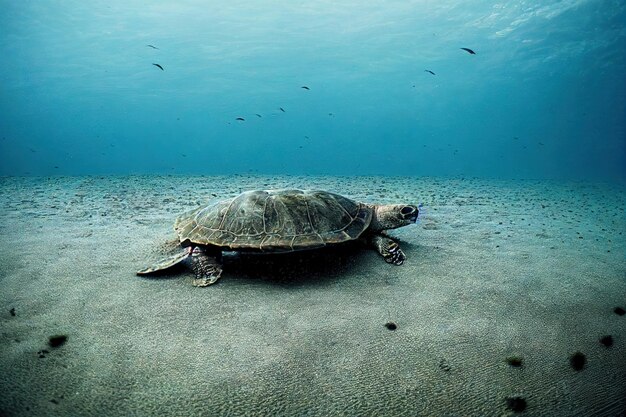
(409, 213)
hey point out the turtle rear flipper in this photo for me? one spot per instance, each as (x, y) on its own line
(207, 268)
(166, 263)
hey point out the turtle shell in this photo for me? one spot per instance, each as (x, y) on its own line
(275, 221)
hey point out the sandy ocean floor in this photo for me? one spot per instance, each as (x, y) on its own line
(496, 269)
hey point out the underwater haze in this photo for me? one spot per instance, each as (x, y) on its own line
(502, 124)
(389, 89)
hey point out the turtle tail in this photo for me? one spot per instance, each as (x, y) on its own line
(165, 263)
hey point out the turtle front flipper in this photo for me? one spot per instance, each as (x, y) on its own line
(388, 248)
(166, 263)
(207, 269)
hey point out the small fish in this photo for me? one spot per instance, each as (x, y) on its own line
(157, 65)
(281, 109)
(469, 50)
(258, 115)
(330, 114)
(241, 119)
(152, 46)
(430, 72)
(305, 87)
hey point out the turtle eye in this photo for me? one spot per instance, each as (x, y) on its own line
(407, 210)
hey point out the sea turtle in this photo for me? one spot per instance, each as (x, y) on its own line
(282, 221)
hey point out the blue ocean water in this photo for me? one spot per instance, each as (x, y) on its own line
(389, 89)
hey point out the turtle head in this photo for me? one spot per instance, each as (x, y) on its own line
(393, 216)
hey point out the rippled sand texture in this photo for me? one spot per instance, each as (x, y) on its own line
(522, 270)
